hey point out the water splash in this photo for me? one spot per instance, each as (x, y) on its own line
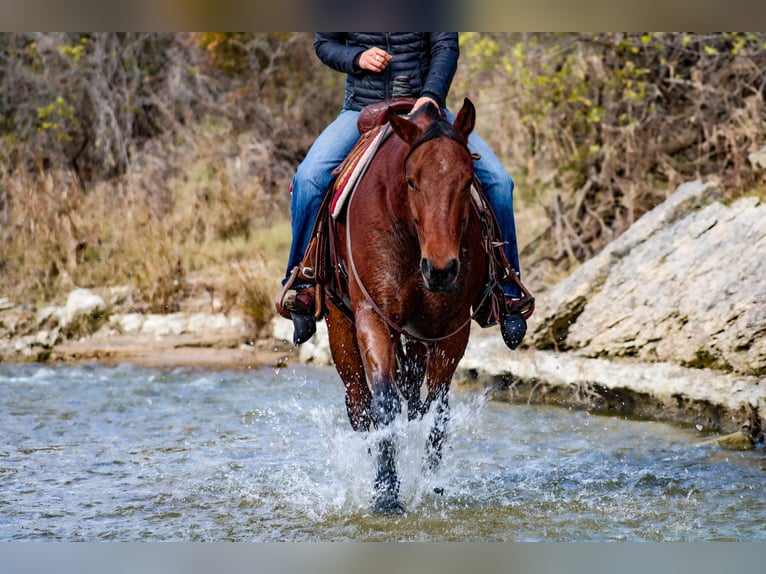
(342, 480)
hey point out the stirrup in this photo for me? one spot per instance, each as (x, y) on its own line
(303, 302)
(524, 305)
(279, 302)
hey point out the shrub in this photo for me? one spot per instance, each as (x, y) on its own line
(128, 156)
(602, 126)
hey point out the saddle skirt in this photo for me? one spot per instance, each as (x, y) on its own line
(353, 167)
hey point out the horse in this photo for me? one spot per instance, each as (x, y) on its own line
(410, 242)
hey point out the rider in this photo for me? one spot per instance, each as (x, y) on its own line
(373, 61)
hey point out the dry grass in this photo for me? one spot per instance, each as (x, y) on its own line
(182, 208)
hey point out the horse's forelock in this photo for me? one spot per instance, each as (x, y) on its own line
(428, 110)
(437, 128)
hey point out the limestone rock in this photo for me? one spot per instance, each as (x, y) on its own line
(685, 284)
(81, 302)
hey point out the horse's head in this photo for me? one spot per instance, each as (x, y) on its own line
(438, 172)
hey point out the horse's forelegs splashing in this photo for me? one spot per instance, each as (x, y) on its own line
(435, 443)
(411, 357)
(384, 408)
(441, 363)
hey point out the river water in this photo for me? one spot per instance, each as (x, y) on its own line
(129, 453)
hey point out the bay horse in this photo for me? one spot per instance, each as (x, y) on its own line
(411, 244)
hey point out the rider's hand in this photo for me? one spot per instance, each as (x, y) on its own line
(374, 60)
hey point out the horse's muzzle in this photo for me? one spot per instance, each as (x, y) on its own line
(444, 279)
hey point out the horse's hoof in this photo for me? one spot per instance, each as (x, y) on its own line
(513, 327)
(388, 505)
(304, 327)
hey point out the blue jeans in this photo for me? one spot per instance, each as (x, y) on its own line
(314, 176)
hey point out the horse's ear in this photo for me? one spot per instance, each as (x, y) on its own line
(404, 128)
(466, 119)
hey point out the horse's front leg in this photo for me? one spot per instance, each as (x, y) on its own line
(442, 361)
(350, 367)
(412, 368)
(439, 400)
(378, 350)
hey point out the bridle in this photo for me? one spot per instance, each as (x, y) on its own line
(382, 314)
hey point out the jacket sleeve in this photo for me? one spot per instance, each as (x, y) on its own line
(445, 51)
(332, 50)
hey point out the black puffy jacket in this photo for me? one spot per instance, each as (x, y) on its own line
(429, 60)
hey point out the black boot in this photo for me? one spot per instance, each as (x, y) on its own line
(513, 327)
(304, 327)
(301, 306)
(513, 324)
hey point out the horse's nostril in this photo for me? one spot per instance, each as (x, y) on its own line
(452, 268)
(425, 267)
(440, 279)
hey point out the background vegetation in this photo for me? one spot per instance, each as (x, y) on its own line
(163, 161)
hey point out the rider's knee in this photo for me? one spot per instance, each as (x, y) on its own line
(310, 182)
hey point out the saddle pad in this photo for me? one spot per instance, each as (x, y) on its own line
(354, 166)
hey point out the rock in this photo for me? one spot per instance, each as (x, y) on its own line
(281, 329)
(734, 441)
(561, 306)
(128, 323)
(15, 321)
(677, 287)
(758, 158)
(717, 401)
(164, 325)
(81, 302)
(47, 312)
(317, 349)
(214, 323)
(47, 339)
(5, 303)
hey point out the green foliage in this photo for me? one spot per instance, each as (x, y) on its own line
(57, 117)
(603, 125)
(75, 51)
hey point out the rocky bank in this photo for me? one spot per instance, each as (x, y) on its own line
(667, 322)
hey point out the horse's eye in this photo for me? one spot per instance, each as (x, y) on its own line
(411, 184)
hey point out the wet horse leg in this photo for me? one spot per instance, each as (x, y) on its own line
(440, 366)
(378, 351)
(412, 368)
(348, 362)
